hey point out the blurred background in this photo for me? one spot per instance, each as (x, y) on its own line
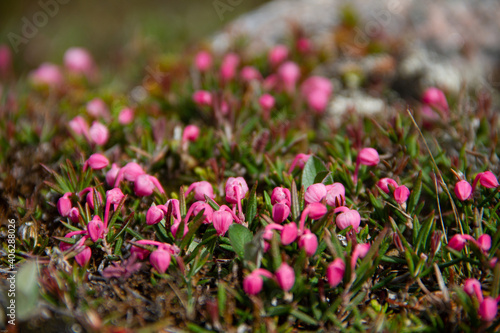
(112, 30)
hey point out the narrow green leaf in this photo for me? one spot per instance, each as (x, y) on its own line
(251, 205)
(295, 201)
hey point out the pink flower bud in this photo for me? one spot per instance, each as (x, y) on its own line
(384, 183)
(484, 242)
(200, 189)
(143, 185)
(202, 98)
(316, 210)
(203, 61)
(435, 98)
(300, 160)
(126, 116)
(95, 228)
(335, 272)
(191, 133)
(488, 179)
(154, 215)
(79, 60)
(289, 233)
(74, 215)
(139, 252)
(348, 218)
(401, 194)
(208, 211)
(289, 74)
(315, 193)
(131, 171)
(79, 126)
(221, 221)
(316, 84)
(5, 60)
(99, 134)
(97, 108)
(236, 189)
(83, 257)
(114, 196)
(250, 73)
(160, 259)
(277, 55)
(368, 156)
(457, 242)
(285, 276)
(96, 162)
(266, 102)
(46, 75)
(473, 287)
(111, 174)
(90, 198)
(270, 82)
(360, 251)
(317, 101)
(280, 212)
(281, 195)
(335, 194)
(463, 190)
(303, 45)
(228, 66)
(309, 242)
(252, 284)
(64, 205)
(488, 309)
(175, 227)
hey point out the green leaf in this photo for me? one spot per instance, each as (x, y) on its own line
(415, 194)
(295, 201)
(251, 205)
(239, 237)
(313, 166)
(304, 317)
(26, 290)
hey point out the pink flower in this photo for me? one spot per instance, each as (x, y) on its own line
(299, 160)
(221, 221)
(139, 252)
(289, 74)
(488, 309)
(96, 162)
(281, 195)
(335, 194)
(95, 228)
(384, 183)
(228, 66)
(335, 272)
(64, 204)
(74, 215)
(143, 185)
(457, 242)
(488, 179)
(111, 174)
(250, 73)
(277, 55)
(473, 287)
(317, 101)
(401, 194)
(154, 215)
(303, 45)
(280, 212)
(79, 60)
(99, 134)
(90, 197)
(191, 133)
(436, 99)
(349, 218)
(463, 190)
(203, 61)
(285, 276)
(175, 227)
(197, 207)
(316, 210)
(79, 126)
(368, 156)
(484, 242)
(236, 189)
(201, 189)
(289, 233)
(315, 193)
(97, 108)
(126, 116)
(360, 251)
(83, 257)
(266, 102)
(130, 172)
(46, 75)
(202, 98)
(252, 283)
(309, 242)
(317, 91)
(160, 259)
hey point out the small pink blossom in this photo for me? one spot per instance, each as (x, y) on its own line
(285, 276)
(99, 133)
(126, 116)
(401, 194)
(349, 218)
(203, 61)
(384, 183)
(277, 55)
(315, 193)
(335, 272)
(222, 220)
